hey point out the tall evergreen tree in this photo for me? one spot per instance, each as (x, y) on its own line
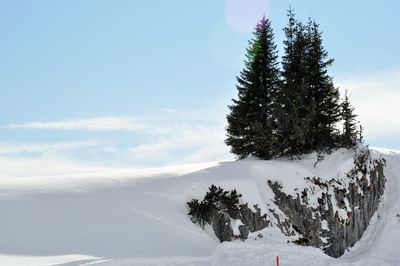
(297, 114)
(350, 134)
(323, 97)
(309, 100)
(293, 113)
(251, 120)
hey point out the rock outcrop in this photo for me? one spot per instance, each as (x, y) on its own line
(343, 211)
(330, 214)
(247, 220)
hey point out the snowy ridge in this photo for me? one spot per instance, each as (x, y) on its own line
(127, 217)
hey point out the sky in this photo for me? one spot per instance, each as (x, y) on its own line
(147, 83)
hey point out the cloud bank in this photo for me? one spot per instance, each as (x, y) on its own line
(103, 123)
(174, 136)
(376, 97)
(45, 148)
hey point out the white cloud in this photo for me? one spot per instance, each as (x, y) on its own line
(200, 143)
(173, 136)
(103, 123)
(377, 100)
(45, 148)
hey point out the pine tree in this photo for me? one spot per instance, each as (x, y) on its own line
(293, 113)
(297, 114)
(322, 99)
(349, 136)
(308, 99)
(251, 119)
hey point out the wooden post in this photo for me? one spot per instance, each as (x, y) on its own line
(277, 260)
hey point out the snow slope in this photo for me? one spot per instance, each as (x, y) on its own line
(138, 216)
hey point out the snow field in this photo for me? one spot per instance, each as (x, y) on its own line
(138, 217)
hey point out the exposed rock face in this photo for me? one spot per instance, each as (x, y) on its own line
(221, 225)
(343, 213)
(251, 222)
(328, 214)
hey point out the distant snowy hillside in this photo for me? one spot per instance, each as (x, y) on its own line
(139, 217)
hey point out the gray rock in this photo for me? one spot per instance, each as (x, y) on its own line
(221, 224)
(363, 198)
(252, 221)
(244, 231)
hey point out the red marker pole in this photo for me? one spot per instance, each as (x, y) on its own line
(277, 260)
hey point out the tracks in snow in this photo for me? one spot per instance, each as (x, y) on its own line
(131, 207)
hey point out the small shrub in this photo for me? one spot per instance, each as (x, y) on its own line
(201, 212)
(216, 200)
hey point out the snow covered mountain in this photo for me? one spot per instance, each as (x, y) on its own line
(139, 216)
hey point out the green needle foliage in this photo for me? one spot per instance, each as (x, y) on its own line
(291, 111)
(251, 120)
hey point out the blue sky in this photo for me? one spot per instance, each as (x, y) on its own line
(146, 83)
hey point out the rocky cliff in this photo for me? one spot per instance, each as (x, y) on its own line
(344, 207)
(328, 213)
